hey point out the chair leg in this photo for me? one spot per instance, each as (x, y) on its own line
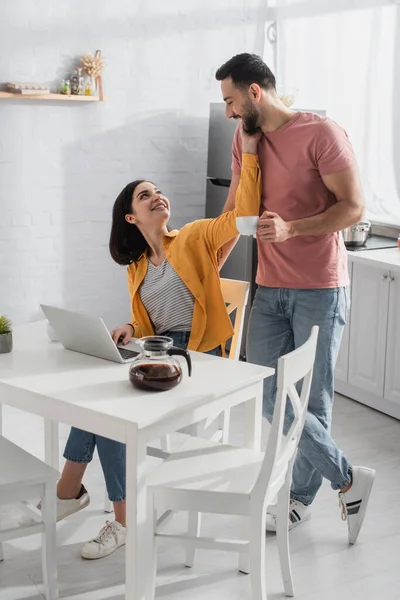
(108, 505)
(194, 524)
(165, 443)
(282, 536)
(49, 542)
(257, 557)
(244, 557)
(152, 573)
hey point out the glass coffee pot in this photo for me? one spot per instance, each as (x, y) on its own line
(155, 369)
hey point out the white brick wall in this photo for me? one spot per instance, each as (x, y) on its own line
(62, 166)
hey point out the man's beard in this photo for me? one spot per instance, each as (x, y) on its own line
(250, 120)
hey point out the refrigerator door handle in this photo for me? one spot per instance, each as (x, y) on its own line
(219, 181)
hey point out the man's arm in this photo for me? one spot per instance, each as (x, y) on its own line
(346, 187)
(227, 248)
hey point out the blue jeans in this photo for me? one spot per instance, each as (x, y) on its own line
(81, 444)
(281, 320)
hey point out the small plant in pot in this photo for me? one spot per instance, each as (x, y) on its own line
(6, 340)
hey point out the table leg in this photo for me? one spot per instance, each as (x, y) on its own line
(51, 444)
(139, 540)
(252, 439)
(253, 420)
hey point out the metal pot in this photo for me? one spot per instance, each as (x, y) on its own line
(357, 234)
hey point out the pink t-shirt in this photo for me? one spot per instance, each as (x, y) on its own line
(293, 158)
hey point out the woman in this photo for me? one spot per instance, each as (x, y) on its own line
(175, 290)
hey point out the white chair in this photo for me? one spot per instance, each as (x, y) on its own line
(22, 476)
(235, 294)
(229, 480)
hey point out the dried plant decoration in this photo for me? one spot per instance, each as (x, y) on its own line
(93, 66)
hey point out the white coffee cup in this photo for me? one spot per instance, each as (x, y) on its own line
(247, 225)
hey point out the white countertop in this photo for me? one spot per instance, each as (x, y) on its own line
(387, 258)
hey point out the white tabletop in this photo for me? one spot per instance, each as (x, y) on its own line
(91, 385)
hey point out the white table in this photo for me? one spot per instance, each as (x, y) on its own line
(41, 377)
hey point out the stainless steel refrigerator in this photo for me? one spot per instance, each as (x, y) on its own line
(242, 262)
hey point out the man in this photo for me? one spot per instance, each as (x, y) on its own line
(311, 191)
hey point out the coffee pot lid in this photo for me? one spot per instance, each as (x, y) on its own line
(156, 343)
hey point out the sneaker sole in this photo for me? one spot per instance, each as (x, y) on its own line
(364, 506)
(73, 511)
(107, 553)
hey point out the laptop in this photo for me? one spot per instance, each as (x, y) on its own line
(86, 334)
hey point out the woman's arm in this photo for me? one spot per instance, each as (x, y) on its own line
(247, 203)
(226, 249)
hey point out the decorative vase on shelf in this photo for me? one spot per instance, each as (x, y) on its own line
(77, 83)
(90, 86)
(93, 67)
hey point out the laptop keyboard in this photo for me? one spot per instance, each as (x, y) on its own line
(125, 353)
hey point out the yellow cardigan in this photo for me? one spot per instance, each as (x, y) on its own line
(192, 252)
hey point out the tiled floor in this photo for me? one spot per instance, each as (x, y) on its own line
(324, 566)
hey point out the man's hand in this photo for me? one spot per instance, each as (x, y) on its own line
(250, 142)
(271, 228)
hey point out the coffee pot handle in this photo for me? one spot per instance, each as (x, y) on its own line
(184, 353)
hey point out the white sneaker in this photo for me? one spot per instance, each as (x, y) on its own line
(354, 502)
(298, 514)
(65, 508)
(111, 537)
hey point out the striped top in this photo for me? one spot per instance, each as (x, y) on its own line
(167, 300)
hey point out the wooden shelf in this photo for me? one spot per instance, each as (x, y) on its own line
(57, 97)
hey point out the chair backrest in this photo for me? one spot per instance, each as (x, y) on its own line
(294, 370)
(236, 296)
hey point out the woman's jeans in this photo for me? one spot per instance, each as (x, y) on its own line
(81, 444)
(281, 320)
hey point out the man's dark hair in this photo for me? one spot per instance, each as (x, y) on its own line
(245, 69)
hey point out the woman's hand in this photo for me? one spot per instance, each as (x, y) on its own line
(122, 334)
(250, 142)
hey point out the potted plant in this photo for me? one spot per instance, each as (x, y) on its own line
(6, 341)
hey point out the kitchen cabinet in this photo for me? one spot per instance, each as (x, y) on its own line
(369, 317)
(392, 372)
(368, 366)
